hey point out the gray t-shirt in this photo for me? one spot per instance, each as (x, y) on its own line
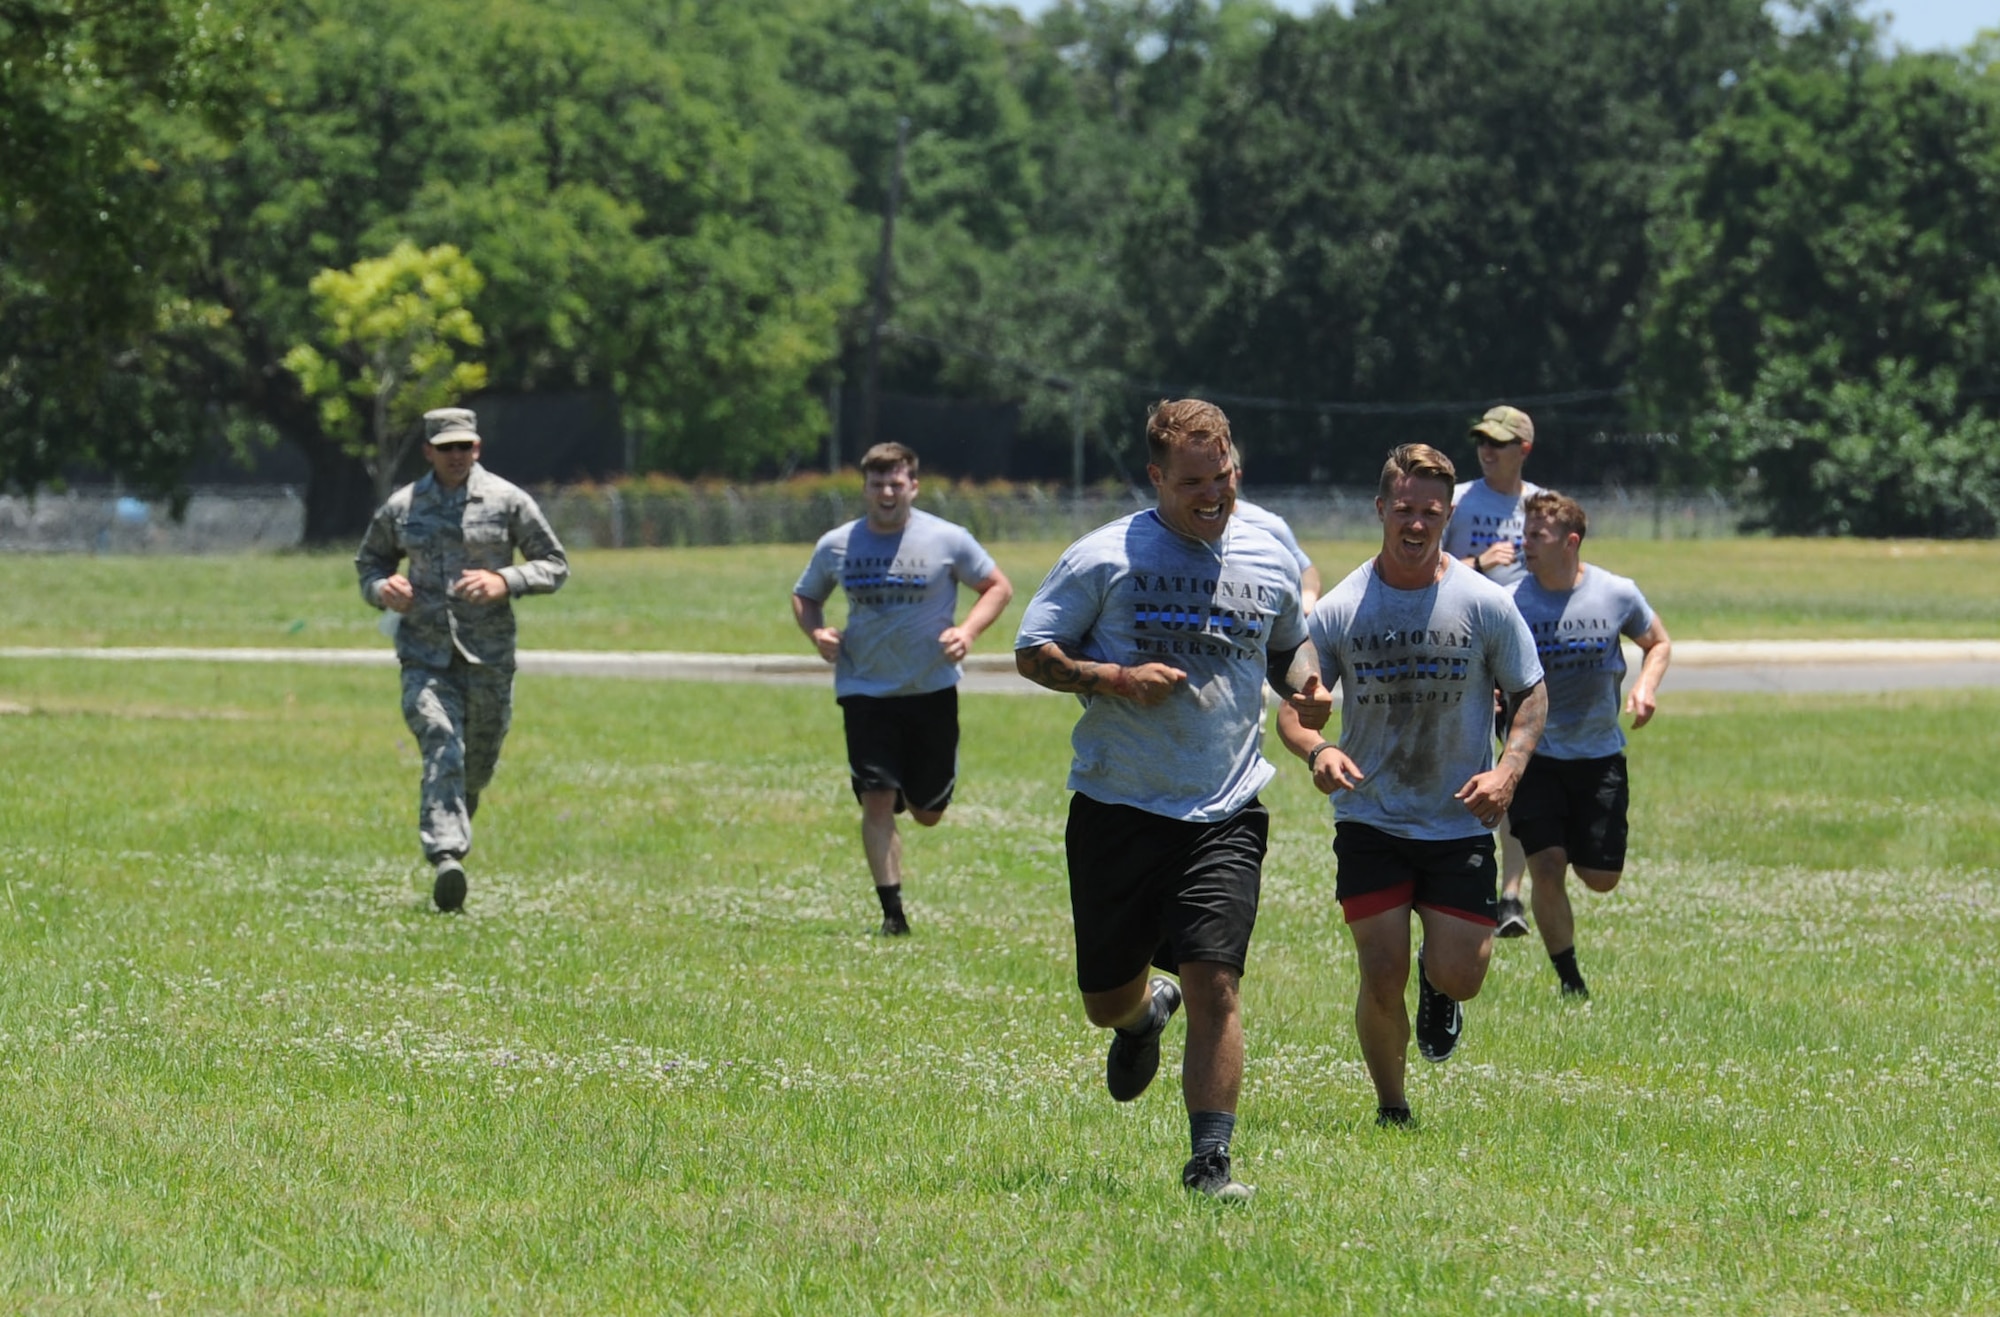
(1482, 516)
(1576, 634)
(1266, 520)
(1417, 672)
(902, 592)
(1136, 592)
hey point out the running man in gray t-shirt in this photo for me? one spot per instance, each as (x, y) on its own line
(1418, 642)
(896, 664)
(1485, 534)
(1486, 518)
(1167, 624)
(1571, 806)
(1266, 520)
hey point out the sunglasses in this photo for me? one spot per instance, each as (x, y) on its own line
(1488, 441)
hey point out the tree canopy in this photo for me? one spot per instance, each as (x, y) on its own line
(1828, 302)
(1632, 216)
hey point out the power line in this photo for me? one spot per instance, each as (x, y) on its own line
(1052, 379)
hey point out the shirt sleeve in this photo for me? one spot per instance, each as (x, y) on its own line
(379, 554)
(1288, 628)
(970, 562)
(817, 581)
(1511, 655)
(544, 566)
(1064, 609)
(1638, 615)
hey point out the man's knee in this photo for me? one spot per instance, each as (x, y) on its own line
(1384, 973)
(878, 806)
(1456, 970)
(1599, 880)
(928, 817)
(1458, 980)
(1549, 865)
(443, 752)
(1211, 988)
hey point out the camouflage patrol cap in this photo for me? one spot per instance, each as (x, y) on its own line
(450, 425)
(1507, 425)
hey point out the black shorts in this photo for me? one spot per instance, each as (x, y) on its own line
(1577, 804)
(1375, 871)
(907, 744)
(1147, 889)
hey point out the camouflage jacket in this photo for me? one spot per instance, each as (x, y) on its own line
(443, 532)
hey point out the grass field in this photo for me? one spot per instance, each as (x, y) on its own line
(661, 1064)
(735, 600)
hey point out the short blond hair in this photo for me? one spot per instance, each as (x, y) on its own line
(1185, 423)
(1419, 461)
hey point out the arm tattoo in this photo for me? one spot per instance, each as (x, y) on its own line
(1527, 712)
(1054, 666)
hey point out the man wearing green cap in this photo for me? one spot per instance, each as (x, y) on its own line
(459, 527)
(1488, 519)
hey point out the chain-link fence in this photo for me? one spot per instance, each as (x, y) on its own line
(600, 517)
(103, 520)
(597, 516)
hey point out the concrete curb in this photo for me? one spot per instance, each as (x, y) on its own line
(1777, 666)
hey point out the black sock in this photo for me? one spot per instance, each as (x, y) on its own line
(892, 901)
(1209, 1131)
(1566, 970)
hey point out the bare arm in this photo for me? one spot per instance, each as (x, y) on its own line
(1332, 770)
(1527, 715)
(1659, 648)
(810, 614)
(1056, 667)
(1489, 794)
(1309, 589)
(995, 593)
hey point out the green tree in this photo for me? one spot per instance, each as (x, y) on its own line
(637, 182)
(1829, 296)
(1031, 146)
(392, 331)
(109, 110)
(1428, 201)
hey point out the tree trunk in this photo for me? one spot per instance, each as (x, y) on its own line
(340, 497)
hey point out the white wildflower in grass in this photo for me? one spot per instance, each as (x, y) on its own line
(663, 1063)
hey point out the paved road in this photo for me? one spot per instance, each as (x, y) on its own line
(1783, 667)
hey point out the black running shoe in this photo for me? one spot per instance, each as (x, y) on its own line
(1133, 1061)
(1439, 1018)
(895, 925)
(1513, 918)
(448, 888)
(1576, 988)
(1207, 1173)
(1393, 1117)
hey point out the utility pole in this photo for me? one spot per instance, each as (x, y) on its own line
(1076, 442)
(871, 400)
(833, 429)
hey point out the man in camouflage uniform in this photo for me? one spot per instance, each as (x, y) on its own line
(459, 527)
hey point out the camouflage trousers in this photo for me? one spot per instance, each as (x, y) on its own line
(459, 716)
